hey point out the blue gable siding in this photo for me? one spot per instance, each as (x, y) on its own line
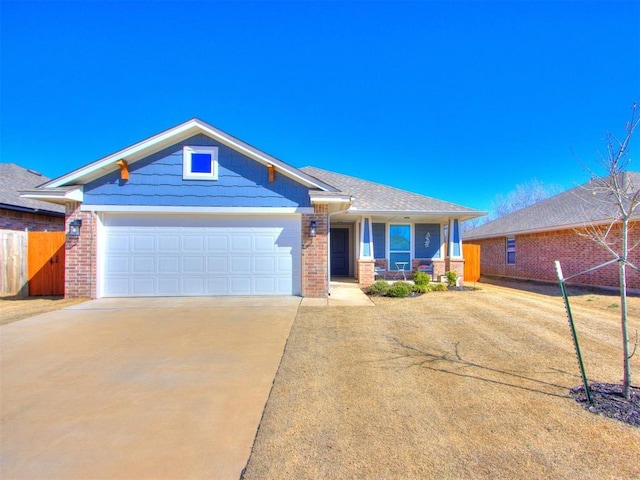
(157, 180)
(433, 249)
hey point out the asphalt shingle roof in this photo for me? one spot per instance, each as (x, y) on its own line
(13, 179)
(575, 207)
(375, 197)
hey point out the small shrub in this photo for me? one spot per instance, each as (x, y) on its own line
(380, 287)
(452, 278)
(437, 287)
(421, 288)
(421, 278)
(399, 290)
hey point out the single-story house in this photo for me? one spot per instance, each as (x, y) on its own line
(26, 214)
(526, 243)
(195, 211)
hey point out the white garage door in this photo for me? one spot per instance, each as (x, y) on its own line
(191, 255)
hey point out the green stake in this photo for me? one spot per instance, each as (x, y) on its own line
(573, 332)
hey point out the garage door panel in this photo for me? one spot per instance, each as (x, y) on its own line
(193, 264)
(240, 265)
(119, 286)
(217, 286)
(117, 264)
(264, 265)
(217, 265)
(171, 255)
(143, 243)
(217, 244)
(193, 243)
(263, 285)
(285, 264)
(240, 243)
(240, 285)
(168, 286)
(119, 243)
(143, 286)
(168, 264)
(143, 265)
(193, 286)
(168, 243)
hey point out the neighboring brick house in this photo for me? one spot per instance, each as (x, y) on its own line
(26, 214)
(525, 244)
(195, 211)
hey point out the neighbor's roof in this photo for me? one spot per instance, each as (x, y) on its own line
(370, 197)
(13, 179)
(582, 205)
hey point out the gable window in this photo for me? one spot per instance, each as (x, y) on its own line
(200, 163)
(511, 251)
(400, 247)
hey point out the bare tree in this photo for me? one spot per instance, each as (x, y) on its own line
(616, 196)
(524, 195)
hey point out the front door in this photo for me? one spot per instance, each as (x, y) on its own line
(339, 252)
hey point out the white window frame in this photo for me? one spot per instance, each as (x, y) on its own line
(509, 250)
(188, 151)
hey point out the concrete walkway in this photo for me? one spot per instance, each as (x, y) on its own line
(139, 388)
(344, 293)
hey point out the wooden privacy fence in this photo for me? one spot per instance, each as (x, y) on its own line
(46, 263)
(471, 255)
(13, 263)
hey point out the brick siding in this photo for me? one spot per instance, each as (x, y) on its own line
(536, 254)
(366, 272)
(81, 255)
(32, 222)
(315, 273)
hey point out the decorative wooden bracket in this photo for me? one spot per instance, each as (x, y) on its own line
(272, 173)
(124, 169)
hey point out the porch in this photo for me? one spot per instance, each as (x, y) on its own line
(393, 247)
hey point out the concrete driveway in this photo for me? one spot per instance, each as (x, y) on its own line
(139, 388)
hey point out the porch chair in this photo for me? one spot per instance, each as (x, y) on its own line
(426, 266)
(380, 272)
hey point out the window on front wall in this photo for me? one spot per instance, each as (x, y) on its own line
(511, 251)
(200, 163)
(399, 247)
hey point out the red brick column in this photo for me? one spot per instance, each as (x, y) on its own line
(81, 255)
(315, 268)
(366, 272)
(456, 265)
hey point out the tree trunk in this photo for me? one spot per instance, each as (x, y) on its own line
(626, 381)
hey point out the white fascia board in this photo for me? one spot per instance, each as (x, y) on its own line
(174, 135)
(197, 210)
(55, 196)
(322, 199)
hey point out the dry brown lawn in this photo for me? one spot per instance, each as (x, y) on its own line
(464, 385)
(13, 309)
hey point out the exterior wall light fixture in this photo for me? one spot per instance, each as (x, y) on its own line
(74, 228)
(313, 228)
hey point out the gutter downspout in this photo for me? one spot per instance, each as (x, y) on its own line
(329, 244)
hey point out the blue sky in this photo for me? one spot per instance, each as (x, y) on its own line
(456, 100)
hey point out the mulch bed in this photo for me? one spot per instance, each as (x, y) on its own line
(609, 401)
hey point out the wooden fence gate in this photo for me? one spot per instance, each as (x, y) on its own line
(471, 255)
(13, 263)
(46, 256)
